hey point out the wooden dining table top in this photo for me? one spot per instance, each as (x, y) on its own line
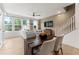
(34, 42)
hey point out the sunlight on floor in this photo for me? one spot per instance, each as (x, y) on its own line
(14, 46)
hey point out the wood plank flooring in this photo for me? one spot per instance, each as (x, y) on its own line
(15, 46)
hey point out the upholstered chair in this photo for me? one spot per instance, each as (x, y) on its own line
(58, 45)
(50, 33)
(47, 47)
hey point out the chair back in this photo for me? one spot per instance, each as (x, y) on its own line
(47, 47)
(50, 33)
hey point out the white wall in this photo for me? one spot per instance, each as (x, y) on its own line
(72, 39)
(77, 15)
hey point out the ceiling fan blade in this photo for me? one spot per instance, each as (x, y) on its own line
(33, 13)
(37, 15)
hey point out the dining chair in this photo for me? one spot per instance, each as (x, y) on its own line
(58, 45)
(47, 47)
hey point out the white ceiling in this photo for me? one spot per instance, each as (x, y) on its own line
(26, 9)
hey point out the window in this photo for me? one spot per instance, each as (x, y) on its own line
(8, 23)
(17, 24)
(26, 21)
(26, 24)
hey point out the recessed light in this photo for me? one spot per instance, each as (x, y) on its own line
(59, 12)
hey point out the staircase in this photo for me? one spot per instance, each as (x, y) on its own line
(71, 34)
(67, 27)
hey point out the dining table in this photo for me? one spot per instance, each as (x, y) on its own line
(33, 44)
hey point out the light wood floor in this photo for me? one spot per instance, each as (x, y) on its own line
(68, 50)
(15, 46)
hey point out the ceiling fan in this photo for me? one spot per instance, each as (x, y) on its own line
(35, 14)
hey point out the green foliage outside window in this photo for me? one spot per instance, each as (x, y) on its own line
(17, 24)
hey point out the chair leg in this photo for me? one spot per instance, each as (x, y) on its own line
(61, 50)
(56, 52)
